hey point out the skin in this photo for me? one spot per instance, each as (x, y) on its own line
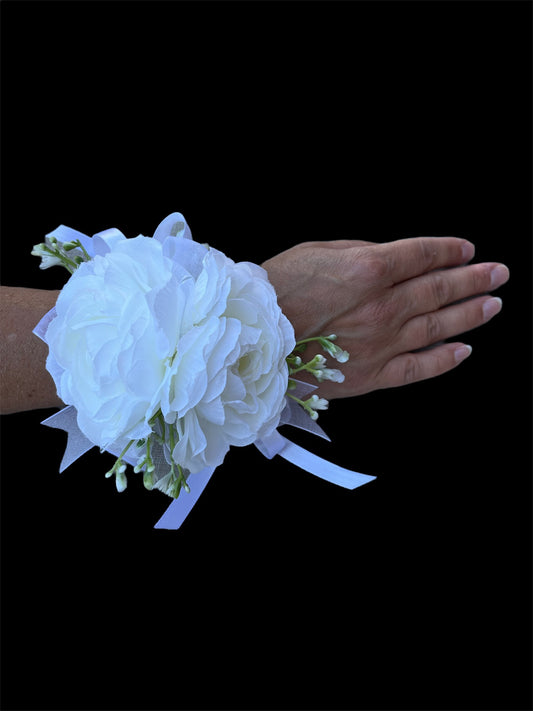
(384, 302)
(25, 384)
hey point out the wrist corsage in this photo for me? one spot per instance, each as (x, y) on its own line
(166, 353)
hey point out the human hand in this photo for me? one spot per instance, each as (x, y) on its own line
(385, 302)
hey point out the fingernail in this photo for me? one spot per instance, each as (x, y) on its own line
(468, 251)
(498, 276)
(462, 352)
(491, 307)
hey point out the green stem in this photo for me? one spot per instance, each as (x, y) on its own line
(148, 455)
(172, 442)
(300, 402)
(162, 424)
(83, 250)
(68, 263)
(126, 448)
(310, 340)
(117, 464)
(297, 370)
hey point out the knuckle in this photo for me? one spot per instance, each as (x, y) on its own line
(432, 328)
(428, 252)
(480, 279)
(376, 265)
(381, 313)
(411, 370)
(441, 289)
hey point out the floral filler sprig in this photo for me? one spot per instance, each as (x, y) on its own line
(317, 368)
(55, 253)
(220, 297)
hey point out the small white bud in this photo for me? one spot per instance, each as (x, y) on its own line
(49, 261)
(38, 250)
(330, 374)
(319, 403)
(341, 356)
(318, 362)
(121, 481)
(148, 481)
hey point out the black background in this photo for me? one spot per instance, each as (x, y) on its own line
(268, 124)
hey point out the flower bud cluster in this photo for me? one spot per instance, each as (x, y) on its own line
(53, 253)
(170, 483)
(334, 350)
(317, 367)
(313, 404)
(119, 470)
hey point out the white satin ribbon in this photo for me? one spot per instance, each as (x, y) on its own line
(277, 444)
(180, 508)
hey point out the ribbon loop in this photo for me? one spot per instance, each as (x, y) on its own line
(271, 445)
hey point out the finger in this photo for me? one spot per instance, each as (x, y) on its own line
(412, 367)
(423, 331)
(431, 292)
(408, 258)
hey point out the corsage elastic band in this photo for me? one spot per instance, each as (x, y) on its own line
(167, 353)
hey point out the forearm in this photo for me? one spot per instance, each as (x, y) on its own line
(25, 384)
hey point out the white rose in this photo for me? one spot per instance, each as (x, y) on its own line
(166, 324)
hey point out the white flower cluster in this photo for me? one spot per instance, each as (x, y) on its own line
(166, 338)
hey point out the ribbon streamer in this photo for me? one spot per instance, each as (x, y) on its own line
(277, 444)
(180, 508)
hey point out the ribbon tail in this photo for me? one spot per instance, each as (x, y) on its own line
(179, 509)
(42, 327)
(322, 468)
(277, 444)
(77, 442)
